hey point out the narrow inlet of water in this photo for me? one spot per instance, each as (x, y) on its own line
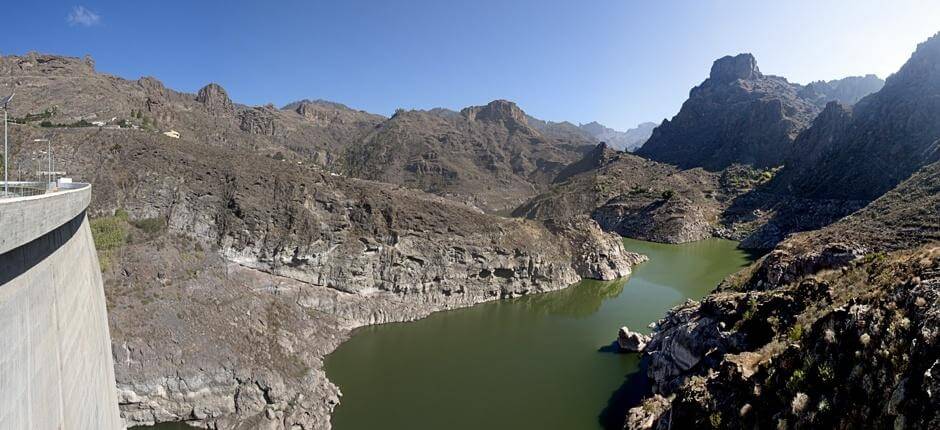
(543, 361)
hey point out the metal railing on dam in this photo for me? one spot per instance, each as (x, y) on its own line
(56, 368)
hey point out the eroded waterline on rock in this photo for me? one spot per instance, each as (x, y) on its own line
(538, 361)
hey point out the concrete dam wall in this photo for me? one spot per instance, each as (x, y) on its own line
(56, 369)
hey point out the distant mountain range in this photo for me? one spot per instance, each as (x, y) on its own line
(628, 140)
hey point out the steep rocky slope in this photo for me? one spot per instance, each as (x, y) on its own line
(635, 197)
(737, 115)
(233, 262)
(628, 140)
(835, 328)
(487, 156)
(240, 271)
(58, 92)
(846, 90)
(860, 154)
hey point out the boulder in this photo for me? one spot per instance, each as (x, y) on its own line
(631, 341)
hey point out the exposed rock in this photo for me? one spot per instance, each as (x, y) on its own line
(731, 68)
(891, 134)
(631, 341)
(846, 90)
(831, 318)
(634, 197)
(738, 115)
(216, 100)
(838, 350)
(485, 156)
(259, 120)
(502, 111)
(252, 262)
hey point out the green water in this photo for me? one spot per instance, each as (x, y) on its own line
(544, 361)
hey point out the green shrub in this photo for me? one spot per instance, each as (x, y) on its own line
(796, 333)
(109, 232)
(150, 226)
(796, 380)
(715, 420)
(668, 194)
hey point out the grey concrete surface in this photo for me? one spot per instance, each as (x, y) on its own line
(23, 219)
(56, 369)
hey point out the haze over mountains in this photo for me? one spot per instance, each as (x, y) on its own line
(740, 115)
(262, 235)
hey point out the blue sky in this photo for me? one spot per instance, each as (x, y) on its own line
(619, 62)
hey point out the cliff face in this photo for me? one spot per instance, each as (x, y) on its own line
(238, 258)
(834, 328)
(738, 115)
(262, 266)
(891, 134)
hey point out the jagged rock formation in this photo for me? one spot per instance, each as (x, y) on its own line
(628, 140)
(487, 156)
(631, 341)
(216, 100)
(60, 91)
(846, 90)
(738, 115)
(890, 135)
(250, 261)
(846, 315)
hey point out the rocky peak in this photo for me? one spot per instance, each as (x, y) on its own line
(496, 111)
(215, 98)
(597, 157)
(922, 69)
(729, 69)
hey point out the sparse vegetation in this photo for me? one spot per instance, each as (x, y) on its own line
(110, 232)
(796, 333)
(668, 194)
(715, 420)
(151, 226)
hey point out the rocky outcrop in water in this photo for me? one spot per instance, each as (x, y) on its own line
(631, 341)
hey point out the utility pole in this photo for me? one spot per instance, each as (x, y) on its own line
(6, 149)
(49, 155)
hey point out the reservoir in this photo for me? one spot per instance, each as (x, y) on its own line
(542, 361)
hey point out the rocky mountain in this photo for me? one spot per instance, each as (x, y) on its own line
(57, 92)
(737, 115)
(862, 152)
(628, 140)
(250, 260)
(487, 156)
(835, 328)
(561, 130)
(846, 90)
(635, 197)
